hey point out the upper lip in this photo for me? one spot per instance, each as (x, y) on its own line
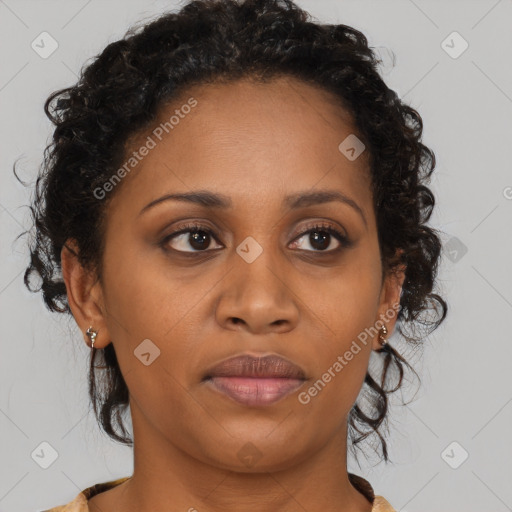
(247, 365)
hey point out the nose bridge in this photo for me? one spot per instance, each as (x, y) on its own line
(256, 293)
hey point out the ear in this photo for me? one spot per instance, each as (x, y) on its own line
(85, 296)
(389, 302)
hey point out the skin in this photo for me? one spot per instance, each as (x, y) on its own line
(256, 144)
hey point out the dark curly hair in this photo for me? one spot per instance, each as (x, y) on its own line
(119, 94)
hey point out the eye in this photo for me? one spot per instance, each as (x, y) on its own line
(320, 236)
(194, 236)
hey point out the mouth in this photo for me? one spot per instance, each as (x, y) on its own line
(255, 381)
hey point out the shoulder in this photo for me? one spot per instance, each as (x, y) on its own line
(79, 503)
(381, 505)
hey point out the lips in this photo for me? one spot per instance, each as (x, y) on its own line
(271, 366)
(255, 381)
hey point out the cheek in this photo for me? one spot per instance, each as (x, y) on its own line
(145, 300)
(150, 319)
(345, 302)
(341, 363)
(345, 308)
(142, 298)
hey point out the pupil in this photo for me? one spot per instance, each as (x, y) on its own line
(196, 239)
(316, 238)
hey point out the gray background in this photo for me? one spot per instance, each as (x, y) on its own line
(466, 392)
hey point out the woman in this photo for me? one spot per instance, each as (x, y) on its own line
(234, 210)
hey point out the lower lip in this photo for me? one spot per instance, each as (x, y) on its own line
(256, 390)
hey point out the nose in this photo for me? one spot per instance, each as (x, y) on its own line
(257, 298)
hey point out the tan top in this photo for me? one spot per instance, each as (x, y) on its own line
(79, 504)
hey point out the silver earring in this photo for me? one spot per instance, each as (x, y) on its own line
(91, 333)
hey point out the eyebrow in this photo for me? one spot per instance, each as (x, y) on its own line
(294, 201)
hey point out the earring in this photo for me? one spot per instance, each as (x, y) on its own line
(382, 333)
(91, 333)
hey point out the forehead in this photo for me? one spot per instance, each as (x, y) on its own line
(248, 140)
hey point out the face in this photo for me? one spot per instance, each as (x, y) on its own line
(249, 269)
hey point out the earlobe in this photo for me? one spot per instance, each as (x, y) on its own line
(83, 296)
(389, 304)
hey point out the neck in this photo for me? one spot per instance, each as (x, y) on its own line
(167, 477)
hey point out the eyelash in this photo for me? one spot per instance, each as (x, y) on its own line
(344, 241)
